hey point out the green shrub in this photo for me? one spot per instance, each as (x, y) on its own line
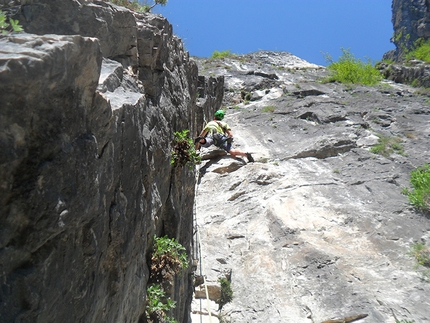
(420, 195)
(217, 54)
(184, 151)
(9, 25)
(226, 292)
(155, 299)
(165, 246)
(157, 305)
(388, 145)
(352, 70)
(168, 259)
(420, 51)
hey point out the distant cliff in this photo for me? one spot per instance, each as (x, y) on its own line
(90, 102)
(411, 21)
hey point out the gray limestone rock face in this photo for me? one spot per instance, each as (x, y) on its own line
(416, 73)
(114, 26)
(85, 174)
(316, 229)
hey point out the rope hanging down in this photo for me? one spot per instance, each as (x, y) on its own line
(198, 255)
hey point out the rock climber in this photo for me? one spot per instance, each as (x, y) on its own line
(218, 133)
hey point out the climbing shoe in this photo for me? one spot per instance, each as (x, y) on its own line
(249, 157)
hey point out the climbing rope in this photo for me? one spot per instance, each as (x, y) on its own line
(198, 255)
(202, 270)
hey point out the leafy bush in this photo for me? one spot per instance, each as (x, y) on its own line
(226, 292)
(223, 54)
(184, 151)
(352, 70)
(420, 195)
(172, 248)
(388, 145)
(168, 259)
(8, 27)
(155, 295)
(157, 305)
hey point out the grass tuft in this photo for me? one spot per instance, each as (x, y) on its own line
(224, 54)
(388, 145)
(420, 195)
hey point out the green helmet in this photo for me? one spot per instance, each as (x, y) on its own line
(219, 115)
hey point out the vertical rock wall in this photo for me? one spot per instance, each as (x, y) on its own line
(85, 175)
(411, 21)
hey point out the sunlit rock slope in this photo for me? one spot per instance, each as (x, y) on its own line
(316, 230)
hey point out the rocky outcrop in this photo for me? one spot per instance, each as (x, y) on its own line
(411, 21)
(115, 27)
(415, 72)
(86, 182)
(317, 229)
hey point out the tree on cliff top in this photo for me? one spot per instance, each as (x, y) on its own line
(160, 2)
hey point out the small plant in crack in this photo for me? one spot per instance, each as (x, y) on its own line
(269, 108)
(388, 145)
(184, 152)
(226, 292)
(246, 96)
(419, 197)
(157, 304)
(168, 259)
(421, 253)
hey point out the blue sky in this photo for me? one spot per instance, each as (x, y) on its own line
(305, 28)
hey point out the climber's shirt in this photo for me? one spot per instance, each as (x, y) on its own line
(214, 127)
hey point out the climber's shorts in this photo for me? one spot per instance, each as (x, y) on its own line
(209, 141)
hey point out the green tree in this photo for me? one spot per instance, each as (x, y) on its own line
(160, 2)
